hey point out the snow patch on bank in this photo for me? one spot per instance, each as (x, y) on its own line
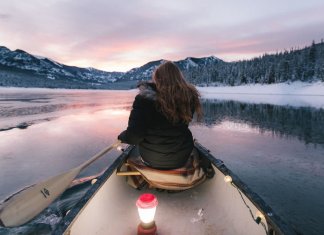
(293, 94)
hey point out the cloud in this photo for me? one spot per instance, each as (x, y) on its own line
(114, 35)
(4, 16)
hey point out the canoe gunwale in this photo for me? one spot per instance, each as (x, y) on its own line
(68, 219)
(275, 224)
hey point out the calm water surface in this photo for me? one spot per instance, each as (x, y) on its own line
(278, 151)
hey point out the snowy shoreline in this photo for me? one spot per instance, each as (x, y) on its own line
(297, 94)
(295, 88)
(293, 94)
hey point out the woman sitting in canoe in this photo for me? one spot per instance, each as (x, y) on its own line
(158, 122)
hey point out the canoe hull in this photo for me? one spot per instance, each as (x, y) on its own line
(214, 207)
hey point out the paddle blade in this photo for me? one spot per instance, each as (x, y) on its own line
(26, 204)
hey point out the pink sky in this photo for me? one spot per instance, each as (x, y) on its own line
(116, 35)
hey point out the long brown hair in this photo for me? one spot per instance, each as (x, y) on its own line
(176, 98)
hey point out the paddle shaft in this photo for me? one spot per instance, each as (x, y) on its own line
(98, 155)
(26, 204)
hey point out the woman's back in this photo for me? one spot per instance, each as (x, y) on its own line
(159, 120)
(166, 145)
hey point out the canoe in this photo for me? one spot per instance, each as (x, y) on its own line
(220, 205)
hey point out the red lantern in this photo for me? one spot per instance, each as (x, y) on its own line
(146, 205)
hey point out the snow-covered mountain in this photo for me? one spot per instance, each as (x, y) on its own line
(304, 65)
(19, 68)
(19, 61)
(142, 73)
(145, 72)
(192, 62)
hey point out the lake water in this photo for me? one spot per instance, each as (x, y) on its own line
(278, 151)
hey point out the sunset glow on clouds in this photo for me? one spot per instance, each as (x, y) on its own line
(116, 35)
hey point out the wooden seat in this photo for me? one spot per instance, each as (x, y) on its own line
(124, 172)
(137, 173)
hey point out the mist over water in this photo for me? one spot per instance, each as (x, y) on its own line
(276, 150)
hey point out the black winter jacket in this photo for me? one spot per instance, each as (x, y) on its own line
(162, 145)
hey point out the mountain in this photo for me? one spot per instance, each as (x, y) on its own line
(306, 64)
(145, 72)
(141, 73)
(17, 67)
(21, 69)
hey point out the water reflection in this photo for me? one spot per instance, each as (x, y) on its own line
(304, 123)
(48, 148)
(263, 144)
(58, 135)
(277, 150)
(32, 106)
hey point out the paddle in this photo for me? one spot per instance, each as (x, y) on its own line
(86, 179)
(29, 202)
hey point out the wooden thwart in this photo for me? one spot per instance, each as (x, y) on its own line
(126, 173)
(120, 172)
(137, 173)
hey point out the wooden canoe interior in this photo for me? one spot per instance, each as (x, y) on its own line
(214, 207)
